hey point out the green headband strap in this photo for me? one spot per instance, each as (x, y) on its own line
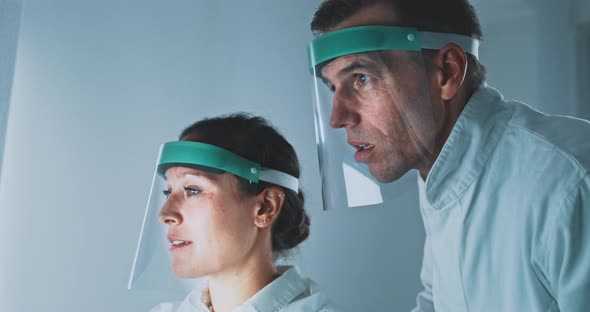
(180, 153)
(379, 38)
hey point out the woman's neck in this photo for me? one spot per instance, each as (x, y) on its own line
(232, 287)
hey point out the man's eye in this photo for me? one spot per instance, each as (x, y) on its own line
(189, 191)
(361, 79)
(166, 193)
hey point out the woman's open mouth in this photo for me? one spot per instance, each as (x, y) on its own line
(178, 244)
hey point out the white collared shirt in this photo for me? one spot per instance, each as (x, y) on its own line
(288, 293)
(506, 208)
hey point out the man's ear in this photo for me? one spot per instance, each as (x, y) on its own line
(269, 205)
(451, 63)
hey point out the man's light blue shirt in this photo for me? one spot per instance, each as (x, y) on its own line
(506, 209)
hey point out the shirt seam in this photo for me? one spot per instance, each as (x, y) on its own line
(461, 264)
(551, 238)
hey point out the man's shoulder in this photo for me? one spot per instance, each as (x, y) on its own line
(560, 138)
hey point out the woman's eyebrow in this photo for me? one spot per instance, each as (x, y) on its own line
(194, 174)
(201, 176)
(197, 175)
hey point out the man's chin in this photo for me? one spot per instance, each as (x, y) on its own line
(387, 174)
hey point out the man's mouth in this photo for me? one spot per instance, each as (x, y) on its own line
(362, 147)
(363, 151)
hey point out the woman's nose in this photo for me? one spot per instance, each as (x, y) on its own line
(169, 214)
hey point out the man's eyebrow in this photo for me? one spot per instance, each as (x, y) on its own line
(352, 67)
(355, 65)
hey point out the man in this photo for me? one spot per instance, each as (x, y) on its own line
(504, 189)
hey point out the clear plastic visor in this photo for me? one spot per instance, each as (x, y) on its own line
(167, 258)
(374, 115)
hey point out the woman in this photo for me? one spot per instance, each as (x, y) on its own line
(231, 229)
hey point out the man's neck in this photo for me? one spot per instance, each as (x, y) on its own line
(452, 111)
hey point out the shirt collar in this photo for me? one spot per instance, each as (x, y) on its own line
(273, 297)
(280, 292)
(467, 149)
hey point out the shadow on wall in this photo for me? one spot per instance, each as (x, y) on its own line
(10, 16)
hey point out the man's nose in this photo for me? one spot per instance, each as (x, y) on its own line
(343, 115)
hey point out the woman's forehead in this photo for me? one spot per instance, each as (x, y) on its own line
(177, 173)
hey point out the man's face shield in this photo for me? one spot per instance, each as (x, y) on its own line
(372, 82)
(167, 258)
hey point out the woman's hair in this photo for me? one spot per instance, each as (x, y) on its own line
(256, 140)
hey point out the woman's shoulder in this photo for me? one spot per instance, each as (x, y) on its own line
(311, 299)
(189, 304)
(317, 302)
(166, 307)
(291, 292)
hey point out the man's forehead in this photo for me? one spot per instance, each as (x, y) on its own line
(337, 64)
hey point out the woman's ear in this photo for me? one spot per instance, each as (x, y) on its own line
(269, 205)
(451, 62)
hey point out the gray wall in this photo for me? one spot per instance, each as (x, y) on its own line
(99, 85)
(509, 53)
(537, 51)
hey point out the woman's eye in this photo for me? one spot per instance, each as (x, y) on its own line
(189, 191)
(166, 193)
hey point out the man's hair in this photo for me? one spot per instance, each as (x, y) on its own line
(448, 16)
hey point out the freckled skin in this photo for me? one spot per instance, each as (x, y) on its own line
(217, 220)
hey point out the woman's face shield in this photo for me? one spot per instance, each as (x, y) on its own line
(167, 258)
(374, 115)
